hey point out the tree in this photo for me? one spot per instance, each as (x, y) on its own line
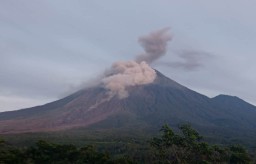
(238, 155)
(189, 148)
(10, 154)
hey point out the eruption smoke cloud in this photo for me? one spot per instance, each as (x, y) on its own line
(131, 73)
(155, 45)
(127, 74)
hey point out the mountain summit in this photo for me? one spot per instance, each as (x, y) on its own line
(149, 105)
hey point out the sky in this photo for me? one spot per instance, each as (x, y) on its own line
(48, 49)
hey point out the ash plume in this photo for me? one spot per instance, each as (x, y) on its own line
(138, 72)
(128, 73)
(155, 45)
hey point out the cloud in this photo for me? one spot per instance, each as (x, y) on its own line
(191, 60)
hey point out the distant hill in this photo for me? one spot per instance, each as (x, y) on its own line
(148, 106)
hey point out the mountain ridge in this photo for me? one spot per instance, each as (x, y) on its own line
(149, 105)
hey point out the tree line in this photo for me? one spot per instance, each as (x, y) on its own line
(169, 147)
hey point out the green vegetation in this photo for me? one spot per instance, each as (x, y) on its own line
(188, 148)
(169, 147)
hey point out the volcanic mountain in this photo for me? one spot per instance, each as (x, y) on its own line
(150, 105)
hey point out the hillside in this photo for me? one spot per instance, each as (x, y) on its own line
(147, 107)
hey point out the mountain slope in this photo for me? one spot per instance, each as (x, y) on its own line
(237, 110)
(151, 105)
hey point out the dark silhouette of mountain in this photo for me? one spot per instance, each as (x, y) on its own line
(148, 106)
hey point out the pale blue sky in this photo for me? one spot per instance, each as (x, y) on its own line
(49, 47)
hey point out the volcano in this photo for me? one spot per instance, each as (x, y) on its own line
(150, 105)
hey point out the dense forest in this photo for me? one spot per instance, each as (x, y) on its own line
(186, 146)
